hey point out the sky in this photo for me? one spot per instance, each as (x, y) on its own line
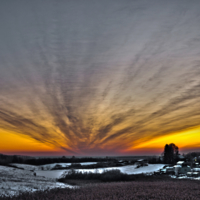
(96, 78)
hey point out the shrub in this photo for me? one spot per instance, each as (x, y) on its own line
(106, 176)
(113, 175)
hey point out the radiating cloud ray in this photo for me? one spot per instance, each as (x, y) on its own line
(89, 76)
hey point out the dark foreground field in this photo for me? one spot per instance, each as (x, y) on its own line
(167, 190)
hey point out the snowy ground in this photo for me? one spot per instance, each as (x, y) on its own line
(185, 177)
(50, 174)
(129, 169)
(13, 181)
(24, 166)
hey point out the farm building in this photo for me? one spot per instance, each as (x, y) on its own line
(193, 174)
(123, 162)
(176, 169)
(184, 170)
(181, 168)
(196, 169)
(189, 174)
(180, 163)
(167, 170)
(142, 162)
(196, 165)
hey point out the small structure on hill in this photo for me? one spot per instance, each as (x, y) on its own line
(142, 162)
(123, 162)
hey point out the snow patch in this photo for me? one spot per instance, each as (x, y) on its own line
(15, 181)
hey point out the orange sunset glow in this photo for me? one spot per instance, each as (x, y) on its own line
(99, 78)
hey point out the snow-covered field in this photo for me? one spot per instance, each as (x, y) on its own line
(185, 177)
(24, 166)
(129, 169)
(50, 174)
(13, 181)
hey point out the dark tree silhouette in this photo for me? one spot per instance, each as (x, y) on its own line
(166, 154)
(170, 153)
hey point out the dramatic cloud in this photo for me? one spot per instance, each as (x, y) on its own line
(99, 76)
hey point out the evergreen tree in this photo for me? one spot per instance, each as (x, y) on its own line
(170, 153)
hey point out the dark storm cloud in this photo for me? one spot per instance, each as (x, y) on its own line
(92, 74)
